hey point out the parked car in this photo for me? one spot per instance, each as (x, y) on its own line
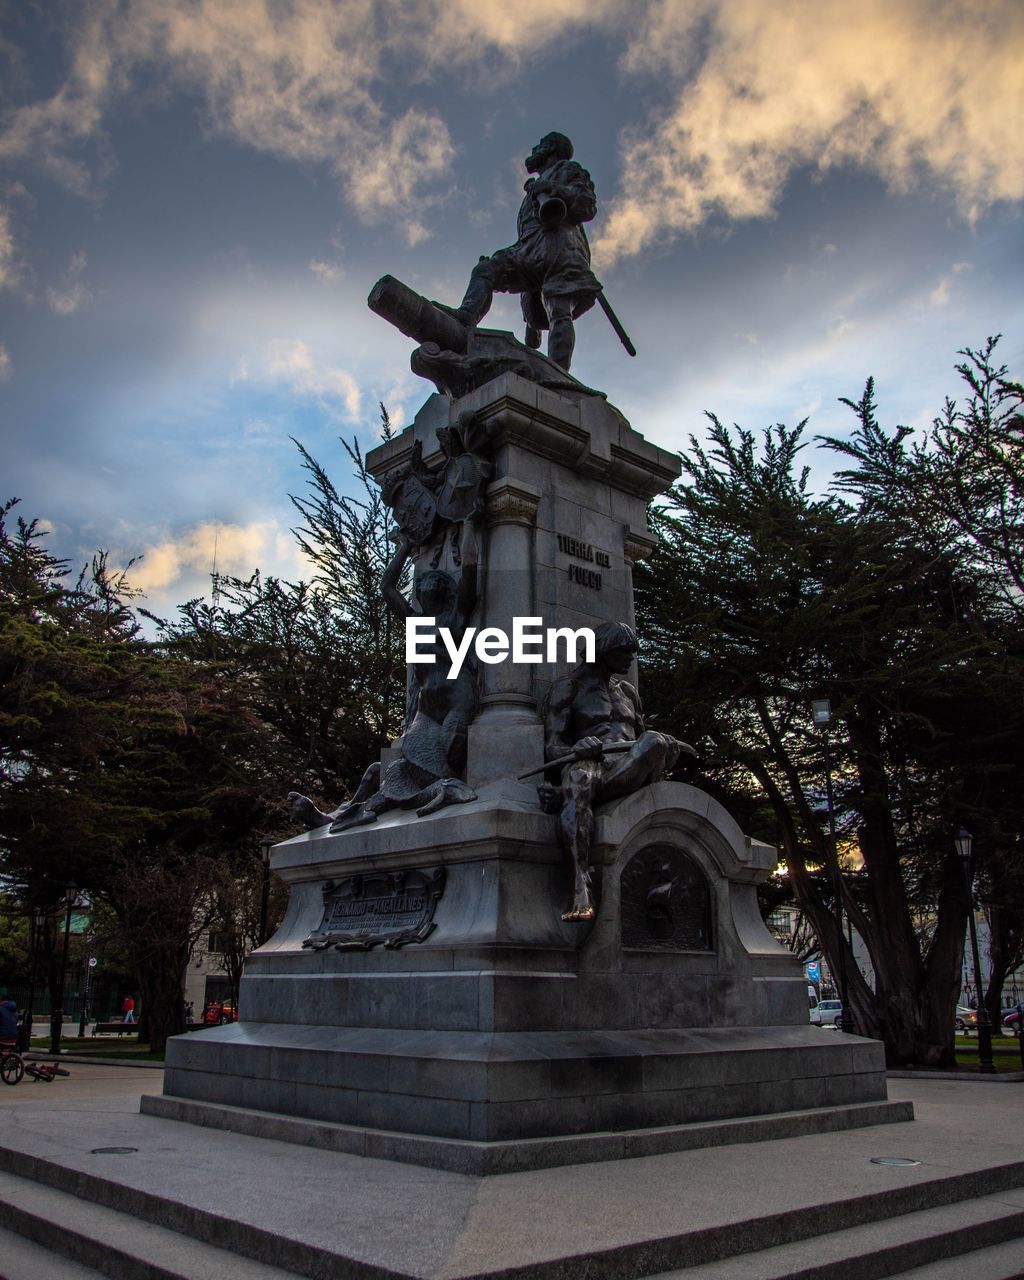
(1011, 1023)
(965, 1019)
(218, 1012)
(829, 1013)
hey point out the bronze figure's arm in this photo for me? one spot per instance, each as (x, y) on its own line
(397, 603)
(573, 185)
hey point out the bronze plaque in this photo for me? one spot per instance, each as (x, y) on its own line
(665, 901)
(389, 907)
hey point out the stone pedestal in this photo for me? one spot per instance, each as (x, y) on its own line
(566, 519)
(460, 1007)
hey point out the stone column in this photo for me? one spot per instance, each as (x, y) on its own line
(507, 737)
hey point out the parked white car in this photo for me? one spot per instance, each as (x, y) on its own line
(827, 1013)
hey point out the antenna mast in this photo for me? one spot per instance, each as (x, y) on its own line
(215, 595)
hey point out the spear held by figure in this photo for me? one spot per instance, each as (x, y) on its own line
(572, 756)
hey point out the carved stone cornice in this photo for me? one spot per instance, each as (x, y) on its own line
(637, 546)
(509, 503)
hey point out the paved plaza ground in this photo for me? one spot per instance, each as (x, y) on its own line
(618, 1218)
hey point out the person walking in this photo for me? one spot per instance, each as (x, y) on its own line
(128, 1010)
(8, 1020)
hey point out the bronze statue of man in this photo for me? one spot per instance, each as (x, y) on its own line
(549, 265)
(594, 716)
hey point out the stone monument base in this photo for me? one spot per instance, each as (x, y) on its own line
(423, 984)
(481, 1103)
(459, 1155)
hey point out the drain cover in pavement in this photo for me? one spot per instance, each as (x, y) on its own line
(903, 1160)
(113, 1151)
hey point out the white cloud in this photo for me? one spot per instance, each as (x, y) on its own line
(7, 255)
(292, 362)
(920, 89)
(414, 149)
(328, 272)
(302, 81)
(71, 291)
(744, 92)
(191, 554)
(465, 27)
(939, 296)
(51, 129)
(840, 327)
(6, 364)
(943, 291)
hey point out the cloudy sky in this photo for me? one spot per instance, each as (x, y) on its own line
(197, 195)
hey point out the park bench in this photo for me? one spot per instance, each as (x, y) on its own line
(120, 1027)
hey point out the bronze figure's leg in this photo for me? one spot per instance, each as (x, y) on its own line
(577, 828)
(562, 338)
(536, 317)
(351, 814)
(479, 293)
(651, 756)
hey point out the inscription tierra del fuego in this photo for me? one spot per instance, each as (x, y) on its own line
(583, 551)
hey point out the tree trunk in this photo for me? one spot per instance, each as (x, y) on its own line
(910, 1007)
(161, 975)
(1005, 938)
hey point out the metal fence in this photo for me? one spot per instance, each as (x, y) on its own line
(105, 1001)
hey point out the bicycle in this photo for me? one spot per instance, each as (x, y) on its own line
(12, 1064)
(44, 1072)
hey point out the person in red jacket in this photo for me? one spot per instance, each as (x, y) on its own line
(128, 1009)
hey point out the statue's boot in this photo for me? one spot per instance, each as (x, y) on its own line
(479, 295)
(561, 341)
(536, 317)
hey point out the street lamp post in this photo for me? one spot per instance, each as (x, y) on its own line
(963, 841)
(57, 1017)
(821, 714)
(265, 847)
(83, 1021)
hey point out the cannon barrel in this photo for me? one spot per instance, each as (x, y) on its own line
(416, 316)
